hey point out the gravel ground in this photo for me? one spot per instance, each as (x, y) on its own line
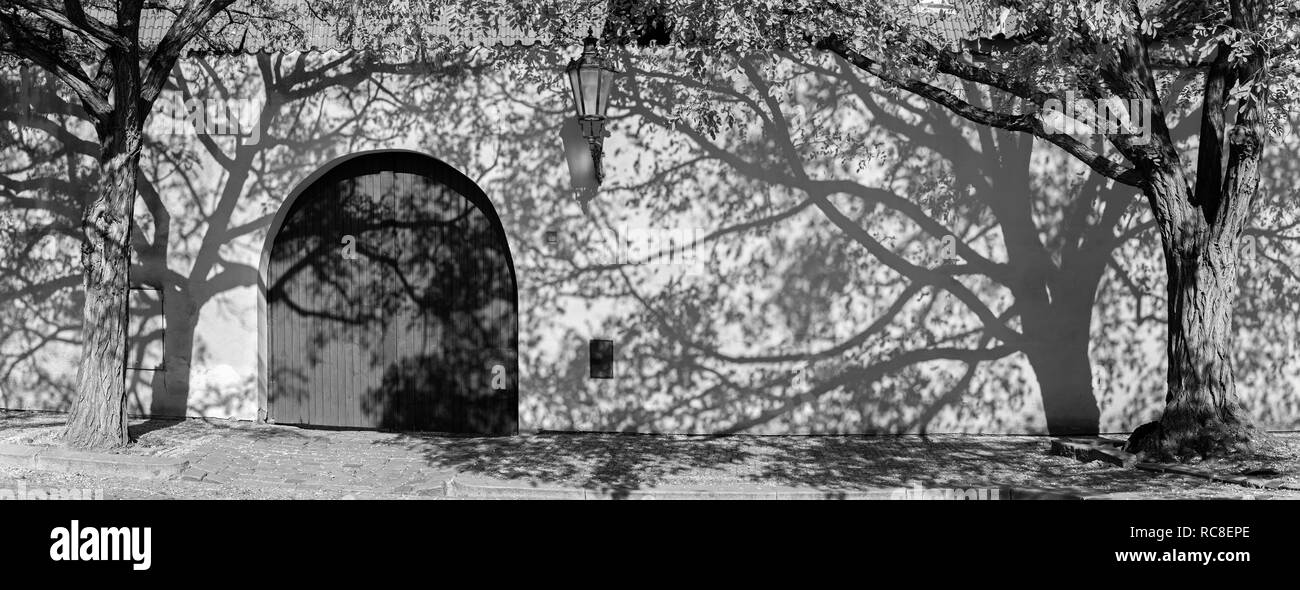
(611, 462)
(614, 462)
(30, 428)
(1277, 461)
(121, 488)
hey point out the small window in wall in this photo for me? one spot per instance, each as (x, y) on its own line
(602, 359)
(145, 327)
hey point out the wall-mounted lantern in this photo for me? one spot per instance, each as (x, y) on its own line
(591, 76)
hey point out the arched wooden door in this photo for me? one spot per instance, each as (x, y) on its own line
(392, 302)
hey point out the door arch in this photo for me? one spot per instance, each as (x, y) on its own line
(391, 301)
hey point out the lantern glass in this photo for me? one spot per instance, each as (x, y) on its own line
(591, 79)
(575, 85)
(591, 91)
(606, 81)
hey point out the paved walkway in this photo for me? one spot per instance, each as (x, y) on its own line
(248, 460)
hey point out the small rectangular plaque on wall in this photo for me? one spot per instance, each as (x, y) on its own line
(602, 359)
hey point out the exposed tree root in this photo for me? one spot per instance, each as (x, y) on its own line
(1214, 439)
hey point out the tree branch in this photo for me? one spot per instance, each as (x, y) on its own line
(1026, 123)
(72, 17)
(19, 41)
(189, 23)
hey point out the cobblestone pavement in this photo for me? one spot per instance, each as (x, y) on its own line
(231, 459)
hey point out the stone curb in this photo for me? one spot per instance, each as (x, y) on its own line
(91, 463)
(1094, 448)
(1241, 480)
(1110, 450)
(18, 455)
(458, 488)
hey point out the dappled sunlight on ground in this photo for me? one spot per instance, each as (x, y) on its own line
(313, 463)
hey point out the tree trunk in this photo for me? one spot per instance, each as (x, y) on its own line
(1200, 229)
(1203, 416)
(98, 415)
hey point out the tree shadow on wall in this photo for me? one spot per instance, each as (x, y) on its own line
(441, 394)
(1040, 266)
(872, 263)
(200, 193)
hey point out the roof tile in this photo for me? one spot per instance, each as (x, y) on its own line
(264, 35)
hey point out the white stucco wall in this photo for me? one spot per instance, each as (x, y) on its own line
(738, 342)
